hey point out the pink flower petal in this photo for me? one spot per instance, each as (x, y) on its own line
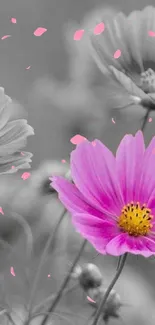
(124, 243)
(13, 20)
(117, 54)
(12, 271)
(113, 121)
(97, 231)
(151, 33)
(63, 161)
(28, 68)
(78, 34)
(25, 176)
(129, 170)
(91, 300)
(40, 31)
(1, 211)
(5, 36)
(70, 196)
(77, 139)
(150, 119)
(93, 170)
(99, 29)
(147, 184)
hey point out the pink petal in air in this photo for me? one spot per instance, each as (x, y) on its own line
(28, 68)
(91, 300)
(12, 271)
(117, 54)
(40, 31)
(13, 20)
(5, 36)
(77, 139)
(78, 35)
(1, 211)
(25, 176)
(99, 29)
(151, 33)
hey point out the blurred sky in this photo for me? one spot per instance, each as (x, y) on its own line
(46, 55)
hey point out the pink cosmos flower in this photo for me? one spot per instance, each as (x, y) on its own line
(112, 200)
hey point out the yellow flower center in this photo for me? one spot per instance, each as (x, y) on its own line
(135, 219)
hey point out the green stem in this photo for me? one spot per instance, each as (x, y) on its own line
(64, 284)
(103, 301)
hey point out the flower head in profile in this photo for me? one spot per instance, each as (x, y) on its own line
(127, 58)
(14, 131)
(112, 200)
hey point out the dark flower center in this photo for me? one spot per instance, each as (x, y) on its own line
(135, 219)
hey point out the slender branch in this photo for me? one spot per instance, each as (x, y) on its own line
(64, 284)
(103, 301)
(145, 120)
(51, 297)
(50, 243)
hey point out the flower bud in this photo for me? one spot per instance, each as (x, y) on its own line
(90, 277)
(112, 304)
(76, 272)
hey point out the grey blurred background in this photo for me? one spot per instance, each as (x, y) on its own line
(48, 58)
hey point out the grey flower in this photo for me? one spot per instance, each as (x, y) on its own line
(14, 131)
(125, 53)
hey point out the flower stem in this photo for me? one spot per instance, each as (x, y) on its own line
(50, 243)
(64, 284)
(103, 301)
(145, 120)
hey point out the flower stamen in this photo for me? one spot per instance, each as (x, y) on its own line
(135, 219)
(148, 81)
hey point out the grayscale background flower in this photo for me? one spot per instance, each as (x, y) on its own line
(125, 53)
(14, 131)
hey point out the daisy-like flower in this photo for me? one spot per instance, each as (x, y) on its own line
(14, 131)
(112, 200)
(125, 52)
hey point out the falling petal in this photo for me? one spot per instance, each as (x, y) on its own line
(117, 54)
(150, 119)
(151, 33)
(78, 35)
(63, 161)
(77, 139)
(49, 275)
(40, 31)
(91, 300)
(13, 20)
(113, 121)
(99, 29)
(28, 68)
(25, 176)
(5, 36)
(1, 211)
(12, 271)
